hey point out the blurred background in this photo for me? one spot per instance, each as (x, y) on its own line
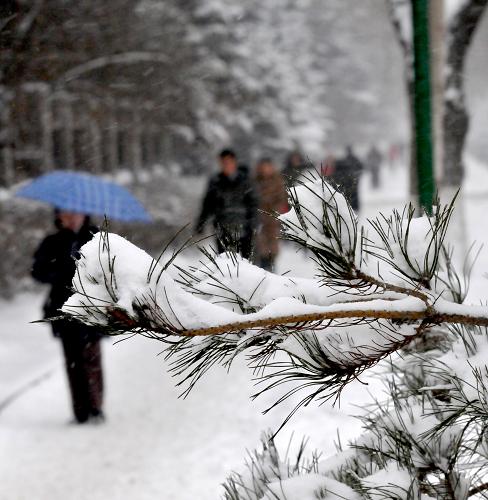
(148, 91)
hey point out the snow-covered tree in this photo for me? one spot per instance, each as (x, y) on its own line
(385, 290)
(266, 77)
(461, 19)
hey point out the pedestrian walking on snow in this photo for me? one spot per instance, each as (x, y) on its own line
(272, 199)
(373, 164)
(230, 203)
(295, 167)
(346, 176)
(55, 264)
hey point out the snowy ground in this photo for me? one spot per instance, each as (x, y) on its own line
(153, 444)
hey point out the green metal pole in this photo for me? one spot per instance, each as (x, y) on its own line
(422, 104)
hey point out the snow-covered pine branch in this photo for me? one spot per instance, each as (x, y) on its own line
(426, 441)
(382, 286)
(378, 287)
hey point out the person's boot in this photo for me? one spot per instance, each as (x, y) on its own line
(96, 416)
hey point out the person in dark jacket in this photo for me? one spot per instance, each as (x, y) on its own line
(295, 167)
(54, 264)
(346, 176)
(231, 203)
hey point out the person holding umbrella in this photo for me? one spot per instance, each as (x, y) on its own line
(75, 195)
(55, 264)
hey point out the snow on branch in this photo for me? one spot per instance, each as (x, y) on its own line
(378, 287)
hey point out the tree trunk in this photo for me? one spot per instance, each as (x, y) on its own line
(407, 53)
(456, 121)
(413, 177)
(437, 58)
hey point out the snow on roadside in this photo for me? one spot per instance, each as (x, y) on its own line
(155, 445)
(27, 351)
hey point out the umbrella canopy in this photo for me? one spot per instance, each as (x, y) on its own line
(86, 194)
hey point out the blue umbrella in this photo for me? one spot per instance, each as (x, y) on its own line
(86, 194)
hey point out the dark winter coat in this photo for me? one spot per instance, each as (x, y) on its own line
(231, 204)
(292, 173)
(346, 176)
(54, 263)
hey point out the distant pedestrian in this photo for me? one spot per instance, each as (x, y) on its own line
(295, 167)
(272, 199)
(393, 155)
(373, 164)
(55, 264)
(328, 167)
(347, 175)
(231, 203)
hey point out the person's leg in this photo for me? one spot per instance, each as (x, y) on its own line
(245, 246)
(266, 262)
(354, 201)
(92, 371)
(73, 350)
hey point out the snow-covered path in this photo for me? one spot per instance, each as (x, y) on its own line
(153, 445)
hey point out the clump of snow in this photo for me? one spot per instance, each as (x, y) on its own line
(391, 480)
(417, 245)
(113, 272)
(234, 283)
(413, 421)
(320, 202)
(468, 370)
(309, 487)
(406, 249)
